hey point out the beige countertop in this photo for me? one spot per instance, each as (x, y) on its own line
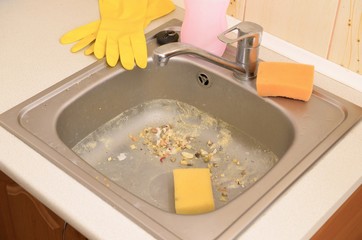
(31, 59)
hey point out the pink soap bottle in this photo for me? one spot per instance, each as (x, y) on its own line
(204, 20)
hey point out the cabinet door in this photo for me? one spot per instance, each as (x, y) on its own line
(23, 217)
(6, 226)
(31, 219)
(346, 222)
(71, 233)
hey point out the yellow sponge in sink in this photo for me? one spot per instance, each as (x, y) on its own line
(193, 191)
(279, 79)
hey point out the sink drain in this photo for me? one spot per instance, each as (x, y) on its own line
(203, 80)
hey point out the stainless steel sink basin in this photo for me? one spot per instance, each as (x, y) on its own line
(120, 133)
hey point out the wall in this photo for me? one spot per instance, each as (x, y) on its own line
(329, 28)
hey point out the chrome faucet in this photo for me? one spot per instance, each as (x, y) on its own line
(246, 63)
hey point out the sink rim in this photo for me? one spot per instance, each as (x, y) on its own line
(241, 222)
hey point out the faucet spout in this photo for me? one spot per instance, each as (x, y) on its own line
(246, 60)
(162, 54)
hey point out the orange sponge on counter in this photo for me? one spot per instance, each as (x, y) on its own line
(279, 79)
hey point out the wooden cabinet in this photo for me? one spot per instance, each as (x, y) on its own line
(346, 222)
(23, 217)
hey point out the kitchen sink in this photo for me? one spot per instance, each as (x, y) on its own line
(121, 133)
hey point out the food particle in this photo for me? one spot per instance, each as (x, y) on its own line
(187, 155)
(133, 147)
(224, 194)
(133, 138)
(240, 182)
(109, 159)
(184, 162)
(162, 143)
(213, 146)
(223, 199)
(207, 158)
(154, 130)
(203, 152)
(121, 156)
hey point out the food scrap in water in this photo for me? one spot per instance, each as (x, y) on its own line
(121, 156)
(173, 144)
(187, 155)
(164, 142)
(133, 138)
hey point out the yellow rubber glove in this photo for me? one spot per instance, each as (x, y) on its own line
(120, 34)
(85, 35)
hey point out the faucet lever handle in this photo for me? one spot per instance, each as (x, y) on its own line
(245, 30)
